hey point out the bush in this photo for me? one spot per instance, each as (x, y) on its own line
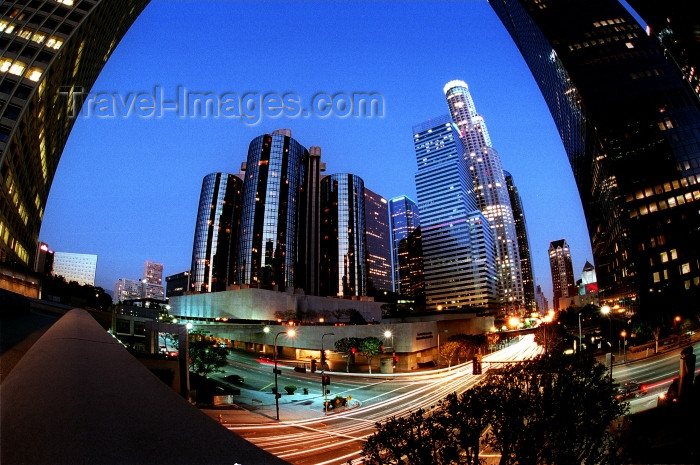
(290, 388)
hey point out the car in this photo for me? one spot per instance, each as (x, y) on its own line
(235, 379)
(630, 389)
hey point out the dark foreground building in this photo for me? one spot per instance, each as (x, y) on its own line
(631, 130)
(50, 53)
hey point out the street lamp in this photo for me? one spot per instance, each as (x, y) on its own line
(388, 334)
(580, 338)
(323, 363)
(290, 333)
(624, 344)
(605, 310)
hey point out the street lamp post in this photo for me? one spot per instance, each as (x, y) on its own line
(624, 345)
(289, 333)
(605, 310)
(323, 360)
(580, 338)
(388, 334)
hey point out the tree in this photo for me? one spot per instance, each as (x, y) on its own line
(206, 356)
(345, 346)
(370, 347)
(448, 351)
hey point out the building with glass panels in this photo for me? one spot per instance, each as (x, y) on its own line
(630, 127)
(378, 243)
(411, 267)
(177, 284)
(523, 243)
(153, 272)
(458, 246)
(269, 232)
(491, 192)
(50, 51)
(306, 275)
(404, 219)
(78, 267)
(343, 245)
(562, 272)
(214, 251)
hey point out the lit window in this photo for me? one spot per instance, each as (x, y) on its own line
(674, 254)
(685, 268)
(664, 257)
(657, 277)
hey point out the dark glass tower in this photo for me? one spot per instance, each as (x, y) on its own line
(49, 50)
(343, 243)
(562, 271)
(269, 231)
(411, 266)
(523, 243)
(215, 234)
(630, 127)
(404, 219)
(378, 243)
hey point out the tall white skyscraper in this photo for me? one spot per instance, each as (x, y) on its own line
(458, 248)
(491, 192)
(78, 267)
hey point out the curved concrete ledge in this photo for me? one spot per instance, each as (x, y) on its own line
(78, 397)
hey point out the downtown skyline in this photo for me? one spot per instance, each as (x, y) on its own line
(139, 178)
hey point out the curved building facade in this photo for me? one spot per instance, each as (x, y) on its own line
(630, 128)
(343, 242)
(214, 251)
(50, 52)
(270, 232)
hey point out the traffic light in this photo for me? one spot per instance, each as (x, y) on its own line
(396, 359)
(353, 350)
(323, 357)
(325, 380)
(476, 366)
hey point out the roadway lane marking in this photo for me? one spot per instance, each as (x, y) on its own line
(265, 387)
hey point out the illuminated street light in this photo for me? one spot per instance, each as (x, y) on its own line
(290, 333)
(388, 334)
(514, 321)
(624, 345)
(323, 362)
(605, 310)
(266, 329)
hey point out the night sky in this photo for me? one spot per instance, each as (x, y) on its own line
(127, 187)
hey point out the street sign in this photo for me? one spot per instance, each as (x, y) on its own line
(277, 371)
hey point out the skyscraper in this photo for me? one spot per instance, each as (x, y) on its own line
(491, 192)
(562, 271)
(343, 243)
(269, 231)
(403, 220)
(378, 239)
(153, 272)
(523, 243)
(306, 275)
(214, 251)
(458, 246)
(411, 267)
(630, 128)
(50, 51)
(78, 267)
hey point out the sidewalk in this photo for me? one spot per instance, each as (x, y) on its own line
(645, 353)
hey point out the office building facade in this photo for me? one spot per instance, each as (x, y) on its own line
(458, 247)
(78, 267)
(307, 273)
(411, 267)
(379, 275)
(562, 270)
(491, 192)
(270, 232)
(214, 251)
(50, 53)
(630, 128)
(153, 272)
(527, 273)
(404, 219)
(343, 242)
(177, 284)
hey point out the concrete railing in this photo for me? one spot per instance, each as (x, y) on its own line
(78, 397)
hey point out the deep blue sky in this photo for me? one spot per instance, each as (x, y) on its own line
(127, 189)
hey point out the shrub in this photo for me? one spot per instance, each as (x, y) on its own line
(290, 388)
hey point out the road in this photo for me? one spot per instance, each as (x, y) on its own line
(309, 437)
(655, 373)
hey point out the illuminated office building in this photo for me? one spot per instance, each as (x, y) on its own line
(153, 272)
(214, 250)
(404, 219)
(411, 266)
(306, 275)
(343, 243)
(78, 267)
(269, 232)
(378, 243)
(50, 51)
(523, 243)
(562, 271)
(458, 247)
(491, 192)
(630, 125)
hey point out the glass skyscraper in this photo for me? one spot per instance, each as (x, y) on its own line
(630, 128)
(562, 271)
(216, 233)
(491, 192)
(49, 51)
(378, 243)
(269, 231)
(404, 219)
(523, 243)
(458, 247)
(343, 243)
